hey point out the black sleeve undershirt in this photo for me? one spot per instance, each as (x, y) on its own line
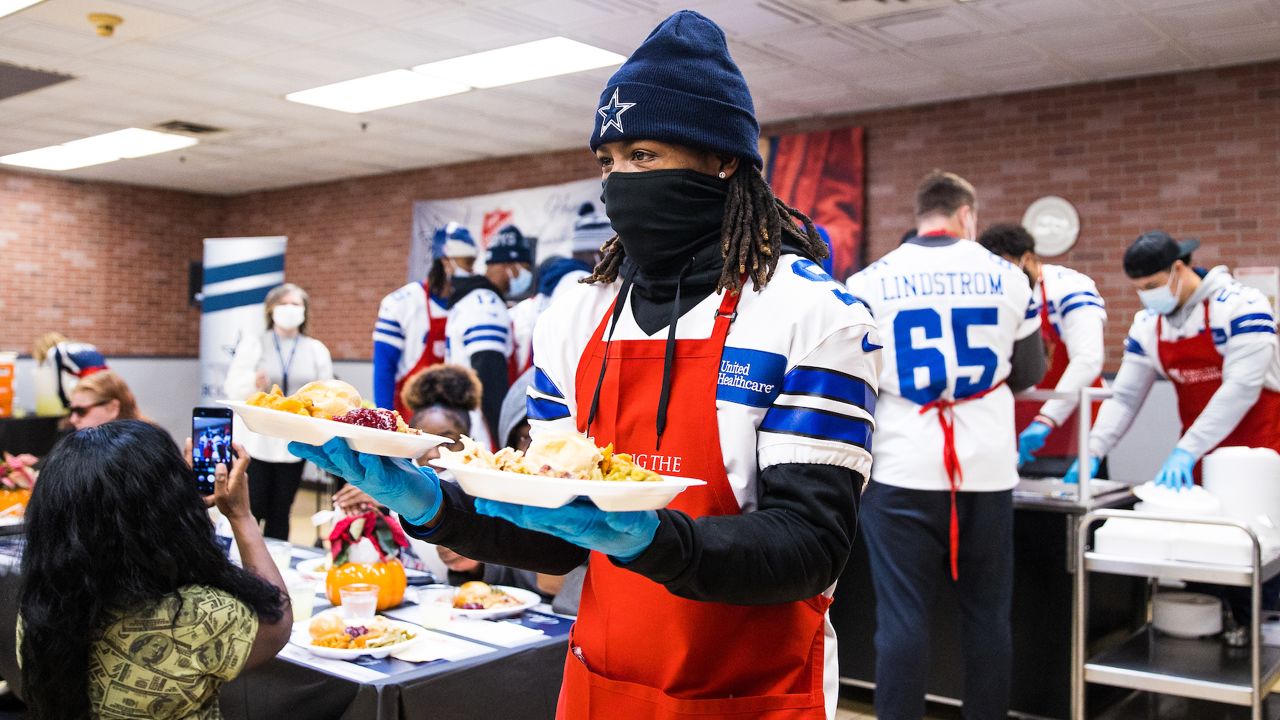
(491, 366)
(792, 547)
(1028, 364)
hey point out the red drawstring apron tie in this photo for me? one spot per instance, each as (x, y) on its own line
(951, 461)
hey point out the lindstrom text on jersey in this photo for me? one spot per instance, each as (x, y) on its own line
(919, 284)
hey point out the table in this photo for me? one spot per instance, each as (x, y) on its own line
(517, 682)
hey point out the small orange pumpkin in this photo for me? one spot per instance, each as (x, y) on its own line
(366, 549)
(387, 575)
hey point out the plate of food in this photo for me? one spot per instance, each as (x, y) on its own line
(481, 601)
(556, 469)
(317, 568)
(325, 409)
(328, 635)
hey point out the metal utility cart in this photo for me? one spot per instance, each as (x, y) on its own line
(1198, 669)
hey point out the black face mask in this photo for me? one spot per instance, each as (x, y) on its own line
(664, 217)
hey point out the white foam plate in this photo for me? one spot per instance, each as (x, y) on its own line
(317, 569)
(317, 431)
(527, 600)
(549, 492)
(301, 636)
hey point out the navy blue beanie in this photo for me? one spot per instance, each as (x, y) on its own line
(681, 86)
(509, 246)
(553, 270)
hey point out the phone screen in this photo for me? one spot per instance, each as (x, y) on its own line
(210, 444)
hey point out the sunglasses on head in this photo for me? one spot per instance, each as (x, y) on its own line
(82, 410)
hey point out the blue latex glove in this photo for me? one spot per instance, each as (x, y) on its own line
(1073, 474)
(1031, 440)
(411, 491)
(623, 535)
(1176, 472)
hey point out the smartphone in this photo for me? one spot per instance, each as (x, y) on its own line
(210, 444)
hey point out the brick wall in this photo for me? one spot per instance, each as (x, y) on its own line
(1192, 153)
(100, 262)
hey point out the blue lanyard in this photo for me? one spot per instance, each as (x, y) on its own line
(284, 367)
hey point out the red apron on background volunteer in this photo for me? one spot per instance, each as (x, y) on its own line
(1062, 442)
(432, 354)
(1194, 365)
(637, 651)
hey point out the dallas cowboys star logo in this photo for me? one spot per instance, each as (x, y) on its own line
(612, 113)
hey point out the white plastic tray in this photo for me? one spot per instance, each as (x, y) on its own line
(317, 431)
(549, 492)
(301, 636)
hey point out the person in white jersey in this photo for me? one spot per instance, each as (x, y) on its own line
(556, 275)
(1072, 318)
(731, 358)
(1214, 339)
(938, 512)
(410, 332)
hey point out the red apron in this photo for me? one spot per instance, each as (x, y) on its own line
(1195, 367)
(638, 652)
(430, 355)
(1062, 442)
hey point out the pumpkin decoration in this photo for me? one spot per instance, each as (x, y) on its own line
(366, 549)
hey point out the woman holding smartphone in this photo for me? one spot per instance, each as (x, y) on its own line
(128, 607)
(287, 356)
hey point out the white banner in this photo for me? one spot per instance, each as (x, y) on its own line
(546, 213)
(238, 274)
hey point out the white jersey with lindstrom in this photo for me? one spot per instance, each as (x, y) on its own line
(404, 318)
(1079, 315)
(477, 323)
(797, 381)
(949, 314)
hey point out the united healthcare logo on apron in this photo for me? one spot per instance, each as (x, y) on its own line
(750, 377)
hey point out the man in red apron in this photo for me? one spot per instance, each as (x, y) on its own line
(1072, 320)
(709, 348)
(410, 332)
(1214, 339)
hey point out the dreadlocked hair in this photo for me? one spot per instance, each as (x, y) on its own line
(756, 224)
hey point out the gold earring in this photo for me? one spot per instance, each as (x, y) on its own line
(721, 175)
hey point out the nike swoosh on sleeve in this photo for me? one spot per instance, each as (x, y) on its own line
(868, 346)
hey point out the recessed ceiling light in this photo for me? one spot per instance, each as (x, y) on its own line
(98, 149)
(521, 63)
(374, 92)
(9, 7)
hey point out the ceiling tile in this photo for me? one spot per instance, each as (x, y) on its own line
(925, 27)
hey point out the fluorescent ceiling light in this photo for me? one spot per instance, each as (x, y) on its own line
(9, 7)
(374, 92)
(520, 63)
(98, 149)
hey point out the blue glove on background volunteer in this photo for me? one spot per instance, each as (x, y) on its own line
(1073, 473)
(1031, 440)
(411, 491)
(623, 535)
(1177, 470)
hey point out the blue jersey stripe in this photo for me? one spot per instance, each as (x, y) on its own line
(1081, 293)
(1253, 322)
(1032, 312)
(500, 339)
(545, 409)
(543, 384)
(389, 321)
(394, 332)
(830, 384)
(1132, 346)
(1082, 303)
(817, 424)
(500, 329)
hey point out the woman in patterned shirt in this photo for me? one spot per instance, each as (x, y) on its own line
(129, 608)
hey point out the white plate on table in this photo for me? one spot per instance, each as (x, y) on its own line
(527, 600)
(318, 431)
(549, 492)
(301, 636)
(317, 568)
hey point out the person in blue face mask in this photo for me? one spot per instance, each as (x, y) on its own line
(1214, 339)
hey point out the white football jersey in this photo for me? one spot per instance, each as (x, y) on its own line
(404, 317)
(478, 322)
(795, 384)
(1079, 315)
(949, 313)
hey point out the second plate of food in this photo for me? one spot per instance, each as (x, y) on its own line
(498, 601)
(318, 431)
(551, 492)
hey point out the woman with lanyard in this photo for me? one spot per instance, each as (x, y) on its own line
(709, 343)
(284, 355)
